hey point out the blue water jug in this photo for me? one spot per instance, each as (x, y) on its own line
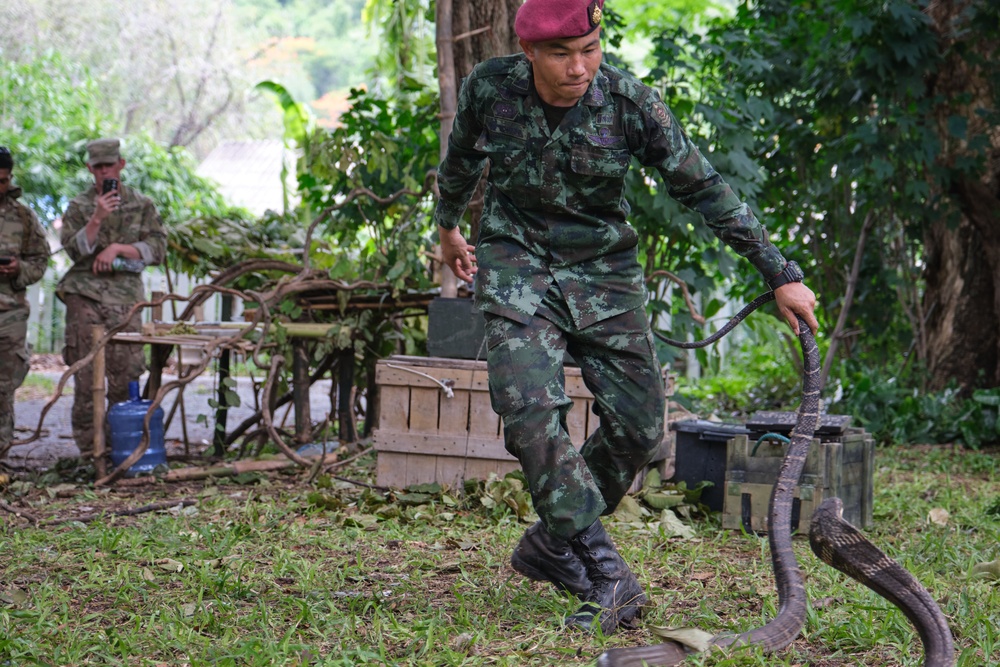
(125, 421)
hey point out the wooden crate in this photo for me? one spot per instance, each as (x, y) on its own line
(423, 436)
(841, 467)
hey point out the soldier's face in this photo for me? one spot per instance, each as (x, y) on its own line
(564, 68)
(106, 170)
(4, 181)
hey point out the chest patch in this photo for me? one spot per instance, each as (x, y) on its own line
(504, 109)
(506, 127)
(605, 139)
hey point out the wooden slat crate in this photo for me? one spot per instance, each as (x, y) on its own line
(423, 436)
(842, 467)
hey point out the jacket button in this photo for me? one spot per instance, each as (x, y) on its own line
(507, 160)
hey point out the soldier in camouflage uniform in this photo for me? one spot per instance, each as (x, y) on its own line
(24, 255)
(558, 272)
(96, 229)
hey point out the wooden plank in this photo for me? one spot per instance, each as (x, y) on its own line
(440, 444)
(420, 469)
(483, 421)
(575, 387)
(99, 401)
(576, 421)
(454, 415)
(454, 471)
(457, 373)
(437, 362)
(390, 469)
(449, 471)
(424, 409)
(394, 403)
(593, 421)
(504, 467)
(407, 376)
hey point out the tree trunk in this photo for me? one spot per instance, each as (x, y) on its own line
(962, 298)
(499, 40)
(481, 31)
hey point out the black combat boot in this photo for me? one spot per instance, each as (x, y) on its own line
(615, 598)
(541, 557)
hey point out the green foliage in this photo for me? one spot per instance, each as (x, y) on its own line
(759, 374)
(49, 109)
(384, 148)
(52, 108)
(335, 51)
(407, 60)
(895, 411)
(819, 116)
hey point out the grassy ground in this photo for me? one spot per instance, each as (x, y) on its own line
(274, 571)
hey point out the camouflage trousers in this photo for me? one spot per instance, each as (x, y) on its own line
(123, 362)
(570, 487)
(13, 367)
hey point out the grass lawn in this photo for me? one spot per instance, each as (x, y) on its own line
(270, 570)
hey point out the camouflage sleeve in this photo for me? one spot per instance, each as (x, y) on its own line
(35, 258)
(73, 223)
(659, 141)
(153, 245)
(463, 164)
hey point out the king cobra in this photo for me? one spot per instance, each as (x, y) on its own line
(834, 540)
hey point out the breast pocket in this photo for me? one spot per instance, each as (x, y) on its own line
(601, 162)
(505, 143)
(598, 182)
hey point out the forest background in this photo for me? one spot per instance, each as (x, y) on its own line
(864, 134)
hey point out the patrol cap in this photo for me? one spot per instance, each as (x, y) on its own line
(544, 20)
(103, 151)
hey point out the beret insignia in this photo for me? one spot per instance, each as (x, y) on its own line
(595, 13)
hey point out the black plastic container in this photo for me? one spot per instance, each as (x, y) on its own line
(701, 456)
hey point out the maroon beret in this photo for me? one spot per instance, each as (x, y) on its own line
(543, 20)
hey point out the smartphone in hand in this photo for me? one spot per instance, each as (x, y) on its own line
(109, 185)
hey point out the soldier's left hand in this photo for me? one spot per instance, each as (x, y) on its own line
(797, 299)
(11, 269)
(102, 263)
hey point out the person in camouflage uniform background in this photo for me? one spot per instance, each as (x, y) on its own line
(96, 229)
(24, 253)
(556, 270)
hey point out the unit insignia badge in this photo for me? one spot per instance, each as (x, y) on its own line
(596, 13)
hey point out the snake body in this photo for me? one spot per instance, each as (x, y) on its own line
(833, 540)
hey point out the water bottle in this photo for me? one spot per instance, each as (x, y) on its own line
(128, 265)
(125, 422)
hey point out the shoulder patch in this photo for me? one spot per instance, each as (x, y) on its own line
(661, 114)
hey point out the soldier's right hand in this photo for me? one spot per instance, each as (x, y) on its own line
(107, 204)
(457, 253)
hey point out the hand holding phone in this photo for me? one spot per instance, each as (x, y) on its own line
(110, 199)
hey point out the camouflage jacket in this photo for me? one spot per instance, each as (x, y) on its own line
(136, 223)
(21, 236)
(555, 208)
